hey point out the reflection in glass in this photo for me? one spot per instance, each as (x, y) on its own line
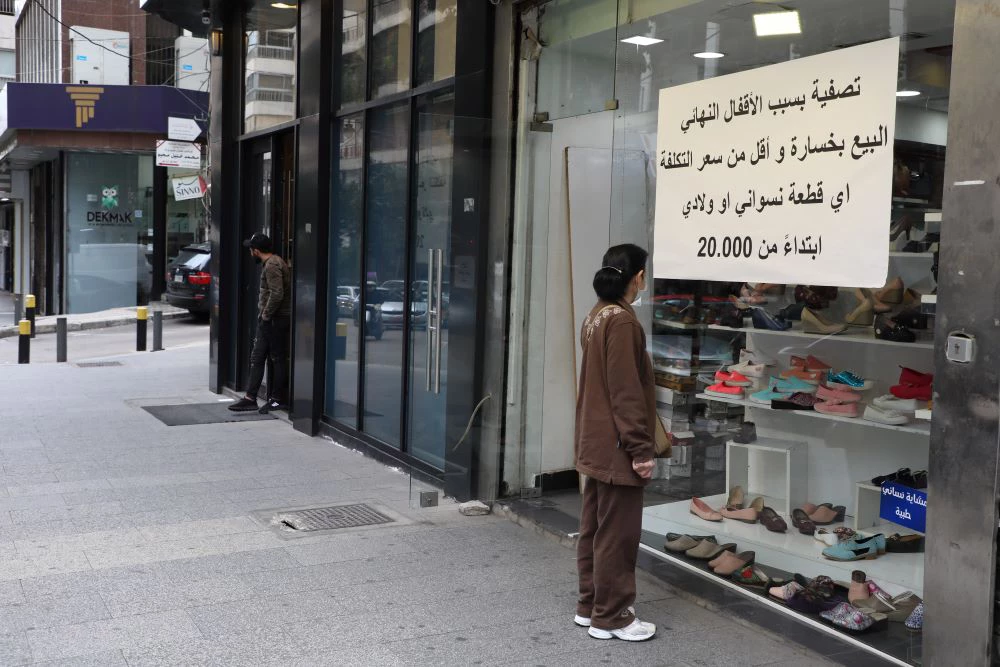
(109, 209)
(385, 266)
(436, 24)
(269, 64)
(391, 35)
(344, 315)
(432, 185)
(353, 39)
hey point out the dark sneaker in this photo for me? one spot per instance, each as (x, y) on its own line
(244, 405)
(272, 404)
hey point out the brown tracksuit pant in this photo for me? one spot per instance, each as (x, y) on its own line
(610, 528)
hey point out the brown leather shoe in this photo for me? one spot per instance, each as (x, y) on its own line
(701, 510)
(729, 562)
(825, 515)
(772, 520)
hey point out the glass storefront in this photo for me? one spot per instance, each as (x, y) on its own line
(587, 170)
(391, 202)
(109, 204)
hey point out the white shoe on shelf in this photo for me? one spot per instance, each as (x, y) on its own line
(636, 631)
(890, 402)
(881, 416)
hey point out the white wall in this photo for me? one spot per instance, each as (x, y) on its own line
(924, 125)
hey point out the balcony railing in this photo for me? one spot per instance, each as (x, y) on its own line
(269, 95)
(272, 52)
(7, 7)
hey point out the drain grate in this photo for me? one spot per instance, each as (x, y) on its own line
(331, 518)
(98, 364)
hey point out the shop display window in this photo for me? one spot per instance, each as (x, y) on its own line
(805, 408)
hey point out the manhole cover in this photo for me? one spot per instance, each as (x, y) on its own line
(331, 518)
(97, 364)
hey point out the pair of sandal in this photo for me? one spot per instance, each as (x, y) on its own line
(809, 516)
(701, 547)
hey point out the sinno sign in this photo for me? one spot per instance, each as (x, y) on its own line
(781, 174)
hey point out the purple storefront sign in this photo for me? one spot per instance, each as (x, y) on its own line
(56, 106)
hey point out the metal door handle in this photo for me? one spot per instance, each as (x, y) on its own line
(430, 281)
(437, 321)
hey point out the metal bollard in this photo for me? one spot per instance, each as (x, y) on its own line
(29, 311)
(23, 342)
(157, 330)
(61, 339)
(141, 315)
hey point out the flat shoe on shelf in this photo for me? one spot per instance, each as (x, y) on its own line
(785, 592)
(731, 562)
(905, 544)
(890, 402)
(708, 550)
(837, 409)
(836, 394)
(802, 521)
(797, 401)
(701, 510)
(825, 515)
(747, 515)
(751, 576)
(772, 520)
(879, 415)
(683, 542)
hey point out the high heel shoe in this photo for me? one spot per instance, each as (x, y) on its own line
(892, 292)
(864, 314)
(813, 322)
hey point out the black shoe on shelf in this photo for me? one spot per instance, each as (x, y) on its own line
(272, 404)
(886, 329)
(244, 405)
(911, 318)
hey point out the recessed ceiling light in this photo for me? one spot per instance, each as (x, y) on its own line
(283, 5)
(639, 40)
(777, 23)
(907, 93)
(709, 55)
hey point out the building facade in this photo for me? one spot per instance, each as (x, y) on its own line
(94, 222)
(444, 177)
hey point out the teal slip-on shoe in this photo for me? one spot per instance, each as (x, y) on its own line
(794, 385)
(764, 397)
(857, 548)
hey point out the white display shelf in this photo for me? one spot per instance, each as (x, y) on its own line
(790, 551)
(679, 325)
(932, 216)
(755, 465)
(852, 335)
(867, 500)
(919, 429)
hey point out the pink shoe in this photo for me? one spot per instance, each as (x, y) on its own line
(703, 511)
(732, 379)
(837, 409)
(835, 395)
(748, 515)
(724, 390)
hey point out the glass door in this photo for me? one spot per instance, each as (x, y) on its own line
(430, 271)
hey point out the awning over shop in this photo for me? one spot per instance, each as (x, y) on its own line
(184, 13)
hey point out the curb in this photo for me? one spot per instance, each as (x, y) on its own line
(118, 321)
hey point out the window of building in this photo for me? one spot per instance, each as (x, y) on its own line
(269, 65)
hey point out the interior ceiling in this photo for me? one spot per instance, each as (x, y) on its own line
(925, 27)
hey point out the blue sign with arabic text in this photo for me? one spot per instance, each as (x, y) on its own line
(904, 506)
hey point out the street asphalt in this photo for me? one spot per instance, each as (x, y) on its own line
(124, 541)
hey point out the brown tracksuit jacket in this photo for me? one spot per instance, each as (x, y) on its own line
(616, 404)
(275, 296)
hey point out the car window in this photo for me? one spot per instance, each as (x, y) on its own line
(193, 261)
(344, 291)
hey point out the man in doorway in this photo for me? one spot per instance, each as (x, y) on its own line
(274, 312)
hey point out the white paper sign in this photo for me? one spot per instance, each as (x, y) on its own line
(781, 174)
(183, 129)
(178, 154)
(188, 187)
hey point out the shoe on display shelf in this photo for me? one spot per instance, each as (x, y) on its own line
(744, 515)
(859, 548)
(724, 391)
(809, 363)
(677, 543)
(905, 544)
(837, 394)
(636, 631)
(800, 400)
(826, 514)
(746, 434)
(892, 293)
(837, 409)
(890, 402)
(753, 357)
(732, 379)
(707, 550)
(765, 396)
(701, 510)
(911, 318)
(802, 522)
(764, 320)
(812, 377)
(752, 577)
(793, 385)
(814, 323)
(848, 380)
(882, 416)
(856, 621)
(914, 377)
(917, 392)
(786, 591)
(901, 474)
(749, 369)
(915, 622)
(863, 314)
(771, 520)
(827, 537)
(729, 562)
(890, 330)
(737, 498)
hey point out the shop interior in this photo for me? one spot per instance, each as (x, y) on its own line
(589, 81)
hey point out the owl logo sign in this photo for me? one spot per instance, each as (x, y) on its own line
(109, 197)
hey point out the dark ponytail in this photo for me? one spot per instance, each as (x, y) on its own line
(619, 266)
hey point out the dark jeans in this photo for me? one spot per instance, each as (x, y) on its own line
(271, 344)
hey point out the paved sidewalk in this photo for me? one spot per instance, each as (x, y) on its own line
(113, 317)
(127, 542)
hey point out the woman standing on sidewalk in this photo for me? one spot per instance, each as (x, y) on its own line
(615, 447)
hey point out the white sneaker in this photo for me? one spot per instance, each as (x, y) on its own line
(890, 402)
(636, 631)
(749, 369)
(584, 621)
(882, 416)
(746, 356)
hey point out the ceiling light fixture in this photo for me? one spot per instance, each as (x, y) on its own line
(907, 93)
(777, 23)
(639, 40)
(283, 5)
(709, 55)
